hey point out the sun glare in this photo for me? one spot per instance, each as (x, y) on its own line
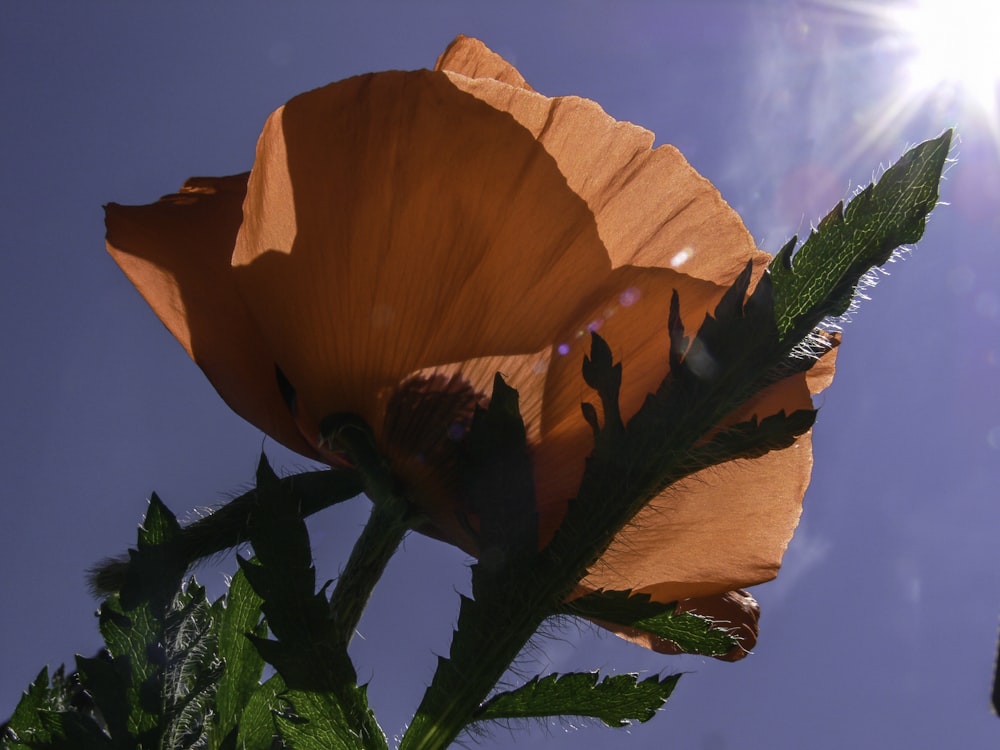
(952, 43)
(943, 57)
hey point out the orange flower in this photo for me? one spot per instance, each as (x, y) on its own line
(405, 235)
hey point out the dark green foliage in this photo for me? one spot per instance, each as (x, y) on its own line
(256, 724)
(819, 280)
(749, 439)
(178, 672)
(693, 634)
(315, 721)
(156, 682)
(617, 700)
(28, 726)
(308, 649)
(241, 676)
(227, 527)
(497, 481)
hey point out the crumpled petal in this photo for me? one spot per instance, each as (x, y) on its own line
(652, 208)
(177, 254)
(473, 59)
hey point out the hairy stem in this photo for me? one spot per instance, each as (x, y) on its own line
(227, 527)
(382, 535)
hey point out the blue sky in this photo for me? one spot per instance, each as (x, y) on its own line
(881, 629)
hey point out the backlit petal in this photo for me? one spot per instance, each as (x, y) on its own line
(176, 252)
(632, 318)
(650, 205)
(406, 235)
(473, 59)
(723, 528)
(395, 223)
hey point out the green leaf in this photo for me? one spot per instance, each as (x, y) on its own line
(107, 680)
(692, 633)
(309, 652)
(74, 731)
(56, 716)
(243, 665)
(159, 684)
(133, 625)
(227, 526)
(278, 533)
(820, 279)
(193, 669)
(496, 476)
(604, 376)
(159, 527)
(25, 728)
(316, 721)
(257, 729)
(750, 439)
(738, 351)
(617, 700)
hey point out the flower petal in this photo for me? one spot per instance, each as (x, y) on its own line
(471, 58)
(725, 527)
(652, 208)
(632, 318)
(176, 252)
(395, 223)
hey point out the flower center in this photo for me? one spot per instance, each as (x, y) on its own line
(426, 420)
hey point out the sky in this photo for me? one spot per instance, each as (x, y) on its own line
(881, 629)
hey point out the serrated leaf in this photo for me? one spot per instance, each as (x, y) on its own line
(257, 728)
(107, 680)
(315, 721)
(751, 439)
(617, 701)
(134, 640)
(226, 527)
(157, 565)
(737, 352)
(73, 731)
(692, 633)
(602, 374)
(308, 651)
(160, 525)
(819, 280)
(25, 728)
(496, 475)
(282, 539)
(192, 669)
(243, 665)
(161, 642)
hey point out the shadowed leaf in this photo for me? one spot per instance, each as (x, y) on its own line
(692, 633)
(243, 665)
(617, 700)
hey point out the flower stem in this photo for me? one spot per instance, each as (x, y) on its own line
(382, 535)
(391, 518)
(227, 526)
(456, 692)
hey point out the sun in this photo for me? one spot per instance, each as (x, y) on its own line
(942, 58)
(953, 45)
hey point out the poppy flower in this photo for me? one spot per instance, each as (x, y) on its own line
(403, 236)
